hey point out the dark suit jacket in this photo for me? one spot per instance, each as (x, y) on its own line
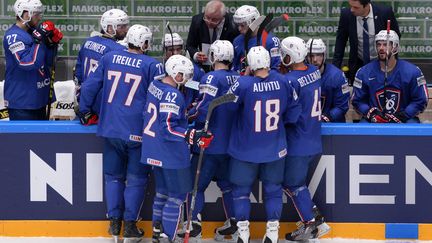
(199, 33)
(348, 30)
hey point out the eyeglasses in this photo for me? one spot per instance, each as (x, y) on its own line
(212, 20)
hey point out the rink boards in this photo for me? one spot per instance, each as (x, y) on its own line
(373, 182)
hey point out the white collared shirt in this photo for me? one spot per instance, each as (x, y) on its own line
(371, 33)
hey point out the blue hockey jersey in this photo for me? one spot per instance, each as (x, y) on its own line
(406, 89)
(27, 77)
(89, 55)
(335, 93)
(165, 126)
(272, 45)
(213, 85)
(304, 136)
(124, 78)
(191, 95)
(262, 107)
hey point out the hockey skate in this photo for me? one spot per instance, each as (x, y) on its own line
(272, 232)
(323, 227)
(195, 235)
(226, 233)
(131, 233)
(115, 228)
(243, 234)
(158, 235)
(304, 233)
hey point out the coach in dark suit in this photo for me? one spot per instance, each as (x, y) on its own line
(214, 24)
(360, 23)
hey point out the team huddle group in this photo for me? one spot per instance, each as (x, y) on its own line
(153, 115)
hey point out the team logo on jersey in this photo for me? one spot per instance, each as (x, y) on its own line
(391, 101)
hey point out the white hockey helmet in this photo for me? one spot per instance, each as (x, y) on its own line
(178, 64)
(31, 6)
(113, 17)
(138, 35)
(258, 57)
(221, 50)
(295, 48)
(316, 46)
(246, 14)
(393, 38)
(172, 40)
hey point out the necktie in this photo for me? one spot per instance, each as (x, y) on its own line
(366, 55)
(214, 37)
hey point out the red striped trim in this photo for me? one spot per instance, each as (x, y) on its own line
(30, 62)
(172, 131)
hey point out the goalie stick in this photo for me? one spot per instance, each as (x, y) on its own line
(213, 104)
(274, 23)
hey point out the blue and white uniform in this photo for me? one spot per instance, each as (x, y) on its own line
(257, 144)
(335, 93)
(216, 159)
(165, 148)
(27, 77)
(406, 89)
(303, 139)
(272, 45)
(89, 55)
(123, 78)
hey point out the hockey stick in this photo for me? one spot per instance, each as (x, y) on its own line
(52, 80)
(276, 22)
(251, 29)
(213, 104)
(386, 66)
(266, 21)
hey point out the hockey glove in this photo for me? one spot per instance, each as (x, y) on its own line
(325, 118)
(48, 34)
(376, 116)
(398, 117)
(88, 118)
(199, 138)
(243, 66)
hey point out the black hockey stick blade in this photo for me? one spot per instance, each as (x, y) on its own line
(266, 21)
(252, 27)
(276, 22)
(215, 103)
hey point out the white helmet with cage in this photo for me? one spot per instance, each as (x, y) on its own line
(113, 17)
(172, 40)
(295, 48)
(31, 6)
(393, 38)
(138, 35)
(221, 50)
(258, 58)
(246, 14)
(178, 64)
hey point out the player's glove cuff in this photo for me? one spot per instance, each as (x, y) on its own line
(199, 138)
(398, 117)
(325, 118)
(374, 115)
(88, 118)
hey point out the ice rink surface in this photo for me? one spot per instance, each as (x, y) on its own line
(108, 240)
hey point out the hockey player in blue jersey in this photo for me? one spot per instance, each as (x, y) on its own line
(303, 137)
(114, 24)
(124, 77)
(400, 97)
(165, 145)
(243, 17)
(173, 45)
(215, 166)
(29, 50)
(334, 86)
(257, 145)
